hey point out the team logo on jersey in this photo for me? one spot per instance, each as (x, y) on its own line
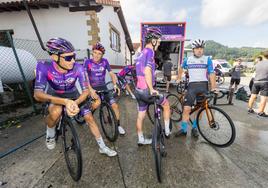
(99, 69)
(70, 80)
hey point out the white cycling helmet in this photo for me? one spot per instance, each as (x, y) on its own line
(198, 43)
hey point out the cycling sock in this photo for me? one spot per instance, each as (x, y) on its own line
(100, 142)
(194, 126)
(50, 132)
(167, 130)
(140, 136)
(184, 126)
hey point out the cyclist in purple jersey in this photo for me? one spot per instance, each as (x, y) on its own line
(55, 83)
(122, 78)
(145, 70)
(96, 70)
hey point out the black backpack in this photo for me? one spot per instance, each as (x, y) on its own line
(242, 94)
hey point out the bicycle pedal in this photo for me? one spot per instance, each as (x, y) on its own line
(167, 137)
(164, 154)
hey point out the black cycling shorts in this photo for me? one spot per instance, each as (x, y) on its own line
(144, 99)
(235, 81)
(109, 97)
(167, 77)
(194, 89)
(260, 88)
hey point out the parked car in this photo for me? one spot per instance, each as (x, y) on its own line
(223, 65)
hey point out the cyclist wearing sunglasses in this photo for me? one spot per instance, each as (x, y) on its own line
(55, 84)
(199, 68)
(145, 70)
(96, 70)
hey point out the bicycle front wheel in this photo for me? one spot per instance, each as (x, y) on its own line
(109, 123)
(216, 127)
(175, 107)
(72, 150)
(150, 113)
(157, 150)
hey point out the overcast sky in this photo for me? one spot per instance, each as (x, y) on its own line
(234, 23)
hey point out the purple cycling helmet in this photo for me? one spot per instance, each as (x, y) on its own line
(98, 46)
(59, 46)
(153, 33)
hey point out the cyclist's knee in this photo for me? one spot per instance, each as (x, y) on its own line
(96, 103)
(165, 104)
(253, 96)
(55, 112)
(89, 118)
(141, 115)
(115, 106)
(186, 109)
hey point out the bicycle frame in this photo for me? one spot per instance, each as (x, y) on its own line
(199, 106)
(157, 111)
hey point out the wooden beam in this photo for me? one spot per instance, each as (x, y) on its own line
(97, 8)
(75, 3)
(33, 6)
(54, 5)
(84, 2)
(44, 5)
(6, 9)
(64, 3)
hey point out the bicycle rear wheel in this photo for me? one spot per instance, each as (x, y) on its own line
(175, 107)
(220, 131)
(72, 150)
(157, 150)
(109, 123)
(220, 80)
(181, 87)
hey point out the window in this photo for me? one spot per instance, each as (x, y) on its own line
(4, 39)
(115, 38)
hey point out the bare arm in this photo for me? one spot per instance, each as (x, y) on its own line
(82, 97)
(180, 72)
(212, 78)
(113, 77)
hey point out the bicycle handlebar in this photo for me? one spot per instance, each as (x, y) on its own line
(155, 96)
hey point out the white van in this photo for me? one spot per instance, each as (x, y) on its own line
(223, 65)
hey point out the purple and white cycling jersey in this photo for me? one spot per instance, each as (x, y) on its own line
(61, 83)
(97, 71)
(145, 59)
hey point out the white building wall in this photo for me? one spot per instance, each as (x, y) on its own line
(59, 22)
(105, 16)
(52, 22)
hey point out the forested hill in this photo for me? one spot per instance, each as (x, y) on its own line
(219, 51)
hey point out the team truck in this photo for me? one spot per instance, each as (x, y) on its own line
(171, 46)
